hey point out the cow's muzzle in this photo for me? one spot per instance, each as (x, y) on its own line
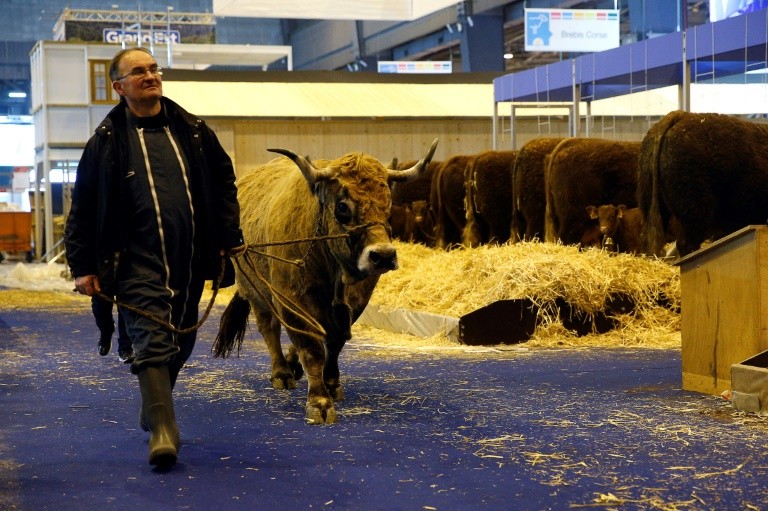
(377, 259)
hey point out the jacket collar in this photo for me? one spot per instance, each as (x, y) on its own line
(116, 117)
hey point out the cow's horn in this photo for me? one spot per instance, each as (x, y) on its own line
(416, 170)
(311, 173)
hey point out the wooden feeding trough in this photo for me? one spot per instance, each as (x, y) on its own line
(724, 303)
(749, 382)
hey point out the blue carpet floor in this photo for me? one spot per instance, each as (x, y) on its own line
(508, 430)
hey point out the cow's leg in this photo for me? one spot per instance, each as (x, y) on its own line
(294, 362)
(331, 374)
(440, 235)
(282, 376)
(320, 409)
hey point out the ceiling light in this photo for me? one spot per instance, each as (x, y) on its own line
(14, 94)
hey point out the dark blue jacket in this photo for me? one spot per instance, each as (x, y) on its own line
(94, 233)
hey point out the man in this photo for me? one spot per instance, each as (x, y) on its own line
(154, 211)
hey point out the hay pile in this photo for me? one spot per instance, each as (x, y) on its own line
(25, 299)
(457, 282)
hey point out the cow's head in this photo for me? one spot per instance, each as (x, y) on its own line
(608, 217)
(354, 196)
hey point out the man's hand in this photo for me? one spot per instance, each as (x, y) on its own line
(87, 285)
(235, 251)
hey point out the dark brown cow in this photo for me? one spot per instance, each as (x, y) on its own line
(528, 199)
(345, 202)
(706, 174)
(584, 171)
(412, 222)
(618, 226)
(421, 227)
(446, 201)
(398, 217)
(488, 197)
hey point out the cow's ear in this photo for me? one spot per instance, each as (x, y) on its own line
(592, 212)
(620, 210)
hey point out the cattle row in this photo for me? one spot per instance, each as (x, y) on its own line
(318, 240)
(693, 177)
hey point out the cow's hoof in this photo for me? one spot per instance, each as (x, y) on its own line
(283, 381)
(321, 412)
(335, 390)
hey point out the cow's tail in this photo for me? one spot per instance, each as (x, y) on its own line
(232, 327)
(515, 235)
(653, 233)
(470, 237)
(436, 205)
(550, 229)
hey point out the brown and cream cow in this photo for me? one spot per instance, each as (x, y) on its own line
(705, 174)
(446, 201)
(321, 242)
(528, 199)
(488, 197)
(584, 171)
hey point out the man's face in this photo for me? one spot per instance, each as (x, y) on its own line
(138, 87)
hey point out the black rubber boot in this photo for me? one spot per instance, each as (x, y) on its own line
(173, 373)
(157, 408)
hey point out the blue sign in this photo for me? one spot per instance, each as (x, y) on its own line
(537, 31)
(579, 30)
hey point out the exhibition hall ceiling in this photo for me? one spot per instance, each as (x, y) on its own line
(330, 9)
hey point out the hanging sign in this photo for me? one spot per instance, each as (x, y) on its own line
(117, 35)
(572, 30)
(415, 67)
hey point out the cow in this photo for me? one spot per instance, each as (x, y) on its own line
(618, 226)
(323, 241)
(584, 171)
(412, 222)
(420, 226)
(446, 201)
(528, 198)
(487, 198)
(706, 174)
(404, 192)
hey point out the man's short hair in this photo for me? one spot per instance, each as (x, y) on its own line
(115, 63)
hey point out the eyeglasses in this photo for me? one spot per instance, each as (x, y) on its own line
(140, 72)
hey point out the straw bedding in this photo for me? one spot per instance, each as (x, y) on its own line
(456, 282)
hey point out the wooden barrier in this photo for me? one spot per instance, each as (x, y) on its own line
(724, 307)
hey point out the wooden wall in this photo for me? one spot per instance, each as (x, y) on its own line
(247, 140)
